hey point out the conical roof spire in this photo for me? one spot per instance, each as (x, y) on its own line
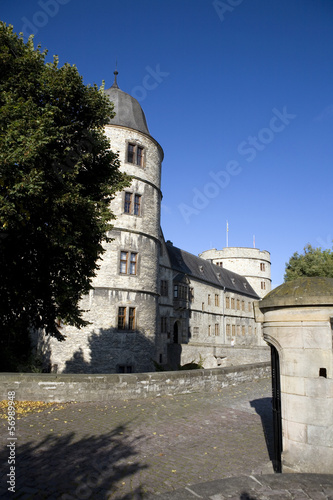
(115, 84)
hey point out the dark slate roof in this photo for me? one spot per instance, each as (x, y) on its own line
(128, 111)
(195, 267)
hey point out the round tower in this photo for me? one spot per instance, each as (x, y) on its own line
(122, 308)
(129, 269)
(252, 263)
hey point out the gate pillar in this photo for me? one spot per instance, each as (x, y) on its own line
(297, 323)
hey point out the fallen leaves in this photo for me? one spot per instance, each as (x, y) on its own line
(22, 408)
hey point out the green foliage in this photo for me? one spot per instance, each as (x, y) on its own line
(190, 366)
(57, 178)
(158, 366)
(313, 262)
(193, 365)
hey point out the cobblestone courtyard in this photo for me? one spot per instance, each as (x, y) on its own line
(130, 449)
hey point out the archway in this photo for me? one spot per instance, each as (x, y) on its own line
(175, 333)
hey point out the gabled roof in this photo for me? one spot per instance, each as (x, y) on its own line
(203, 270)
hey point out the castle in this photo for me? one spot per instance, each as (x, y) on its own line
(153, 304)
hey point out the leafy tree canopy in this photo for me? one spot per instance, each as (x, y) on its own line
(313, 262)
(57, 177)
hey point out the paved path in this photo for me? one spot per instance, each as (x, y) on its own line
(124, 450)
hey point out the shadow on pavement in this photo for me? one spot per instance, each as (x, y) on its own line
(263, 407)
(65, 468)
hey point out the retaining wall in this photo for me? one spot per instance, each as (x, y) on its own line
(52, 387)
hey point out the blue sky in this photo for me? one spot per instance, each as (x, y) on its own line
(239, 93)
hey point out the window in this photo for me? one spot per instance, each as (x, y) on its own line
(217, 301)
(243, 305)
(124, 267)
(233, 327)
(180, 292)
(263, 285)
(249, 308)
(191, 294)
(135, 154)
(232, 303)
(133, 263)
(243, 330)
(217, 330)
(123, 262)
(128, 203)
(131, 318)
(262, 266)
(164, 324)
(238, 305)
(238, 330)
(228, 329)
(137, 204)
(130, 207)
(220, 264)
(203, 306)
(122, 318)
(209, 331)
(139, 155)
(208, 300)
(164, 288)
(130, 153)
(125, 369)
(227, 302)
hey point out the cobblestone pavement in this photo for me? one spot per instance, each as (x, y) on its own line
(132, 449)
(260, 487)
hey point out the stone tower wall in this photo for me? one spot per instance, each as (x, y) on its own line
(101, 347)
(252, 263)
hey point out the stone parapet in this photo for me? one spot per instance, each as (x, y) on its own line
(51, 387)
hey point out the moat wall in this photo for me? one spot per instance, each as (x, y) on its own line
(52, 387)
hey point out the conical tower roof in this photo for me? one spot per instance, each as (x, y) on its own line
(128, 110)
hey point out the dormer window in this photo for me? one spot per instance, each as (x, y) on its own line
(135, 154)
(233, 281)
(244, 285)
(201, 269)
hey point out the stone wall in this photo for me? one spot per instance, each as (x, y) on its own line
(222, 355)
(53, 387)
(252, 263)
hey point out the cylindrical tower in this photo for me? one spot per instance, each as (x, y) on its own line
(252, 263)
(122, 308)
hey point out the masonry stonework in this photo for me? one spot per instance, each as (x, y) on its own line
(297, 322)
(252, 263)
(152, 304)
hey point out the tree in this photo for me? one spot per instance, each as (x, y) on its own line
(314, 262)
(57, 178)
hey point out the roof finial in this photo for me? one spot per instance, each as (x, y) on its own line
(115, 84)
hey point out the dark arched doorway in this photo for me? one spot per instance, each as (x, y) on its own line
(175, 333)
(175, 348)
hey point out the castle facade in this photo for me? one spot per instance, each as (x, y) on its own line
(152, 304)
